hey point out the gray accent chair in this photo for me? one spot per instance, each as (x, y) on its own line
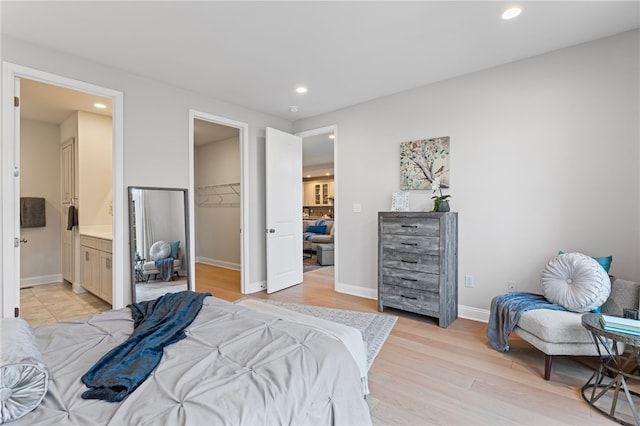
(561, 332)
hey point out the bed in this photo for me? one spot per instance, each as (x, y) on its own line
(236, 366)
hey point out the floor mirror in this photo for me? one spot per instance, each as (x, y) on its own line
(159, 241)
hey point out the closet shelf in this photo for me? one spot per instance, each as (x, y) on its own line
(219, 195)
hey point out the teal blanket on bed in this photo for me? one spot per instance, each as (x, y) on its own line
(157, 323)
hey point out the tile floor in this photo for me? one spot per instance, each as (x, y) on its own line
(51, 303)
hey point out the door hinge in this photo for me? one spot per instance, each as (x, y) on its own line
(16, 312)
(16, 242)
(16, 171)
(16, 101)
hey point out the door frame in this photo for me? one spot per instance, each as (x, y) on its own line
(245, 231)
(336, 237)
(10, 290)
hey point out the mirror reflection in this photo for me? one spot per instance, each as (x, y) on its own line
(158, 233)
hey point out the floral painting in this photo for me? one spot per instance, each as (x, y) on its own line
(424, 161)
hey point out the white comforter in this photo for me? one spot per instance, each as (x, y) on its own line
(236, 366)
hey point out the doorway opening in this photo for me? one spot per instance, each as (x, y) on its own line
(67, 156)
(218, 196)
(318, 200)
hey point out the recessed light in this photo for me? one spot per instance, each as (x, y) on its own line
(99, 105)
(301, 89)
(332, 136)
(511, 13)
(294, 108)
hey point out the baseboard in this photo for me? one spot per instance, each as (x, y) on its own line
(354, 290)
(219, 263)
(43, 279)
(466, 312)
(474, 314)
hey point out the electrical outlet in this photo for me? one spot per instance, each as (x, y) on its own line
(512, 286)
(468, 281)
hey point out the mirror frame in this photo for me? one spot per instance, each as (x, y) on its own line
(187, 228)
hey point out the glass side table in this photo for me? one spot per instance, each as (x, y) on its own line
(139, 262)
(615, 369)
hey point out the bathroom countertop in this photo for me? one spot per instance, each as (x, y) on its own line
(105, 234)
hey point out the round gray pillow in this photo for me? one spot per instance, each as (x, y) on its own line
(576, 282)
(160, 250)
(24, 377)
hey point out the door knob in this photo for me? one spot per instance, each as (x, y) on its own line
(271, 231)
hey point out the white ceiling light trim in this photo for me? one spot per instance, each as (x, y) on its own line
(511, 13)
(301, 89)
(100, 105)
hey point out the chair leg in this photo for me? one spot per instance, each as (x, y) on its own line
(548, 359)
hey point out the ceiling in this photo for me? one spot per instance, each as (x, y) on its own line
(317, 156)
(205, 132)
(54, 104)
(255, 53)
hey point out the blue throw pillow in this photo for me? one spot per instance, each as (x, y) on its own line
(174, 249)
(605, 261)
(317, 229)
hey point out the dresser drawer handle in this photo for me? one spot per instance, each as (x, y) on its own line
(409, 297)
(409, 244)
(409, 261)
(409, 226)
(409, 279)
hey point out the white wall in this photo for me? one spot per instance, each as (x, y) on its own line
(156, 134)
(544, 157)
(95, 169)
(218, 228)
(40, 177)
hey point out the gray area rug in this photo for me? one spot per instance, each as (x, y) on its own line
(150, 291)
(375, 328)
(311, 264)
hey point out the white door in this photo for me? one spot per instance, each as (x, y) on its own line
(283, 179)
(67, 175)
(11, 211)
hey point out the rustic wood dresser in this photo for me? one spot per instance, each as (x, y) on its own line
(418, 263)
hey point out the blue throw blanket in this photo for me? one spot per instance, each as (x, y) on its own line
(165, 267)
(157, 323)
(507, 309)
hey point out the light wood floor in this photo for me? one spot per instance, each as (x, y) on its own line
(426, 375)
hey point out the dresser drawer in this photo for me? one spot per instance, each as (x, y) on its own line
(422, 302)
(105, 245)
(412, 226)
(411, 243)
(88, 241)
(411, 261)
(410, 279)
